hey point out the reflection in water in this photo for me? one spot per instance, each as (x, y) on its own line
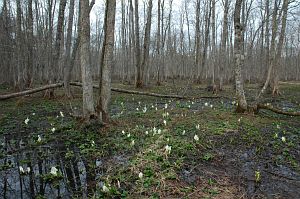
(76, 175)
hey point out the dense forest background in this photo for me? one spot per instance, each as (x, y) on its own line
(191, 40)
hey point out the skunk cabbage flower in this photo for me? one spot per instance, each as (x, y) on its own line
(165, 122)
(168, 149)
(21, 170)
(39, 138)
(206, 104)
(196, 138)
(53, 129)
(105, 189)
(132, 143)
(158, 131)
(140, 175)
(283, 139)
(54, 171)
(26, 121)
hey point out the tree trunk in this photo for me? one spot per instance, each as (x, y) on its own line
(87, 81)
(107, 61)
(223, 44)
(240, 94)
(275, 90)
(67, 71)
(138, 76)
(29, 75)
(145, 63)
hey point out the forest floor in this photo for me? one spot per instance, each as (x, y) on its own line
(215, 153)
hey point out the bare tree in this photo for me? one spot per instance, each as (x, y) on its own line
(67, 71)
(138, 76)
(239, 58)
(145, 61)
(107, 61)
(87, 81)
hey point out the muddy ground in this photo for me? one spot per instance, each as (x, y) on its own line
(215, 153)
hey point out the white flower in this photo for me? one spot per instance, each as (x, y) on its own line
(26, 121)
(189, 106)
(211, 106)
(233, 102)
(39, 138)
(164, 115)
(183, 132)
(278, 126)
(196, 138)
(145, 109)
(166, 106)
(206, 104)
(53, 129)
(132, 143)
(154, 129)
(192, 102)
(61, 114)
(146, 132)
(168, 149)
(158, 131)
(33, 113)
(137, 109)
(28, 170)
(128, 135)
(93, 143)
(54, 171)
(167, 114)
(198, 126)
(239, 120)
(140, 175)
(105, 189)
(283, 139)
(168, 139)
(21, 170)
(139, 103)
(156, 108)
(165, 122)
(123, 132)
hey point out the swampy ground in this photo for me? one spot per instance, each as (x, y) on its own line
(235, 155)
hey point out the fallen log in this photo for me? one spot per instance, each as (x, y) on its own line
(57, 85)
(276, 110)
(28, 92)
(119, 90)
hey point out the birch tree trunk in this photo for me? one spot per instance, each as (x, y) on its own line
(107, 61)
(238, 57)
